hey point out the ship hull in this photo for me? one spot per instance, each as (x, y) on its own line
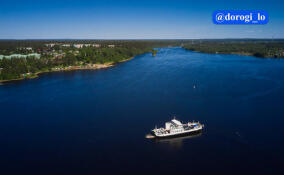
(178, 134)
(179, 138)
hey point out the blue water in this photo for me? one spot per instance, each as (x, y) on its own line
(95, 121)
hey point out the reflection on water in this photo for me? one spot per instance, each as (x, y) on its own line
(177, 142)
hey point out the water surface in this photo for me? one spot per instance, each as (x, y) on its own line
(95, 121)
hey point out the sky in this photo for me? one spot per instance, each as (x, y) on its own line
(121, 19)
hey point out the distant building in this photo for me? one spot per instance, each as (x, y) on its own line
(87, 45)
(111, 46)
(61, 55)
(66, 45)
(78, 46)
(36, 55)
(96, 45)
(25, 48)
(50, 45)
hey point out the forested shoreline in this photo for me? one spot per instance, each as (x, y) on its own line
(56, 55)
(68, 55)
(16, 68)
(262, 49)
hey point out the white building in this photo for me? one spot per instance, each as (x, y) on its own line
(96, 45)
(66, 45)
(78, 46)
(50, 45)
(87, 45)
(36, 55)
(28, 48)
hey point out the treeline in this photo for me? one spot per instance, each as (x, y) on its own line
(16, 68)
(8, 47)
(103, 55)
(253, 48)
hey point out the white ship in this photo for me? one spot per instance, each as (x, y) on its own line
(175, 128)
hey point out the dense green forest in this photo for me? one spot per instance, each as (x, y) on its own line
(8, 47)
(269, 49)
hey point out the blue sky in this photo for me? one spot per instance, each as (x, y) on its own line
(121, 19)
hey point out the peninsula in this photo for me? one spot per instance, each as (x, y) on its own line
(27, 59)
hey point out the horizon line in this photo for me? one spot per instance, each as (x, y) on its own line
(146, 39)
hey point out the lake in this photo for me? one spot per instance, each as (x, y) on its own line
(95, 121)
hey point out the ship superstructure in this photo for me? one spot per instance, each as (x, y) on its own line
(176, 128)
